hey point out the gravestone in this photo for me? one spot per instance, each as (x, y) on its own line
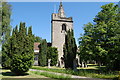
(49, 61)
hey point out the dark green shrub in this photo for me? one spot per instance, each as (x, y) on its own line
(6, 58)
(52, 54)
(42, 57)
(18, 53)
(7, 61)
(70, 50)
(21, 63)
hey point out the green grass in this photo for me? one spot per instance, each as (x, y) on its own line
(55, 76)
(6, 73)
(93, 71)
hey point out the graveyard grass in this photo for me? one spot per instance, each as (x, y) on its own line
(92, 71)
(8, 74)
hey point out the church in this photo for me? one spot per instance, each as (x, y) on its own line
(59, 25)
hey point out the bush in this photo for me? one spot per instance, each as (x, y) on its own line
(21, 63)
(6, 59)
(70, 50)
(42, 53)
(7, 63)
(22, 53)
(52, 54)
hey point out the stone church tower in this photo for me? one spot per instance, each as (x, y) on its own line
(60, 24)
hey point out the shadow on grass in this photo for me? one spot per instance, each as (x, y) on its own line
(99, 70)
(88, 70)
(13, 74)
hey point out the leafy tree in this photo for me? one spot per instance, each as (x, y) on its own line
(0, 21)
(42, 57)
(86, 44)
(102, 39)
(52, 54)
(107, 32)
(5, 25)
(5, 28)
(70, 50)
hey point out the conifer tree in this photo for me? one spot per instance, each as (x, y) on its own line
(6, 54)
(21, 49)
(42, 58)
(70, 50)
(37, 39)
(52, 54)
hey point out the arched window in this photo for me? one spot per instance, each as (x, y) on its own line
(64, 27)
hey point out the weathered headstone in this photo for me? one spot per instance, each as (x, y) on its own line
(82, 64)
(49, 61)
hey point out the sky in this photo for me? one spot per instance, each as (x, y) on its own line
(38, 15)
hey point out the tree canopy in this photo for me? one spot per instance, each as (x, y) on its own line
(101, 40)
(5, 27)
(37, 39)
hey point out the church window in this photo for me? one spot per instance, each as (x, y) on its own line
(64, 27)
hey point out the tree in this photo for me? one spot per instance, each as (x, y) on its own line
(42, 57)
(37, 39)
(6, 58)
(21, 63)
(70, 50)
(52, 54)
(0, 29)
(22, 49)
(18, 53)
(103, 37)
(108, 26)
(86, 44)
(9, 48)
(5, 28)
(5, 25)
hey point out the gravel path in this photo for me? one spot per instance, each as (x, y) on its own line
(72, 76)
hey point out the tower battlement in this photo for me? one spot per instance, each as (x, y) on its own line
(55, 17)
(59, 25)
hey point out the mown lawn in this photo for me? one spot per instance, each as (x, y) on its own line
(8, 74)
(92, 71)
(31, 75)
(54, 76)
